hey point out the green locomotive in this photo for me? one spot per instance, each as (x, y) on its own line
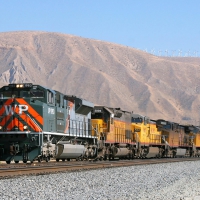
(37, 123)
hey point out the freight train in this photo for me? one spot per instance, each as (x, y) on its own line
(38, 123)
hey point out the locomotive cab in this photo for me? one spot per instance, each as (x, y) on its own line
(147, 137)
(113, 128)
(177, 138)
(20, 121)
(38, 123)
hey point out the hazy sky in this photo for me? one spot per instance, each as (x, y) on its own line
(152, 25)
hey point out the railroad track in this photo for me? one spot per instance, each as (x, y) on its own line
(8, 171)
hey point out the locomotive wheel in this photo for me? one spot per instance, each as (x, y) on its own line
(80, 159)
(57, 160)
(63, 159)
(8, 162)
(39, 159)
(16, 161)
(47, 159)
(105, 157)
(68, 159)
(86, 158)
(111, 157)
(24, 161)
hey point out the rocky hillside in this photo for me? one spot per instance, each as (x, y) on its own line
(104, 73)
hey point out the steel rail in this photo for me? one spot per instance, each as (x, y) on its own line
(53, 167)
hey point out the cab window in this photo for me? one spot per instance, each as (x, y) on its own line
(36, 94)
(9, 94)
(50, 97)
(32, 94)
(137, 120)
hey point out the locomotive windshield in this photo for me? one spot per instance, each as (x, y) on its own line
(8, 94)
(137, 120)
(97, 115)
(21, 93)
(33, 94)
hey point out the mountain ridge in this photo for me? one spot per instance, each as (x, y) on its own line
(104, 73)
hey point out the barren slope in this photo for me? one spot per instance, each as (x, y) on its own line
(104, 73)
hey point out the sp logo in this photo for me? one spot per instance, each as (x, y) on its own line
(11, 110)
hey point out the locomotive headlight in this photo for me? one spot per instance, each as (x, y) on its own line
(0, 127)
(25, 127)
(19, 86)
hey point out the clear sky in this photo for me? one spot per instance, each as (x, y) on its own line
(157, 26)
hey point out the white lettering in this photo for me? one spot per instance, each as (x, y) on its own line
(9, 109)
(51, 111)
(22, 108)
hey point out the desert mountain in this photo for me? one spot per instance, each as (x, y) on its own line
(104, 73)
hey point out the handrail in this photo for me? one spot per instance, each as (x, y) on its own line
(96, 130)
(35, 123)
(163, 137)
(37, 127)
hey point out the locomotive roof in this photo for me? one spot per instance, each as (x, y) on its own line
(82, 106)
(53, 91)
(111, 110)
(26, 85)
(165, 121)
(83, 101)
(139, 116)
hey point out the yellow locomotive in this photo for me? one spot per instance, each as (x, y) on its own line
(124, 134)
(180, 140)
(115, 135)
(147, 137)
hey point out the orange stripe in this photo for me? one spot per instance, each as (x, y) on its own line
(16, 122)
(19, 124)
(4, 120)
(2, 110)
(27, 120)
(37, 129)
(31, 111)
(13, 123)
(23, 116)
(8, 102)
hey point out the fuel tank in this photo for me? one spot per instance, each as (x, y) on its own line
(119, 152)
(69, 151)
(180, 152)
(153, 151)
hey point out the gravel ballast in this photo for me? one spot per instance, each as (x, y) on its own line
(158, 181)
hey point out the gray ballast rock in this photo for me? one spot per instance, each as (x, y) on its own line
(158, 181)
